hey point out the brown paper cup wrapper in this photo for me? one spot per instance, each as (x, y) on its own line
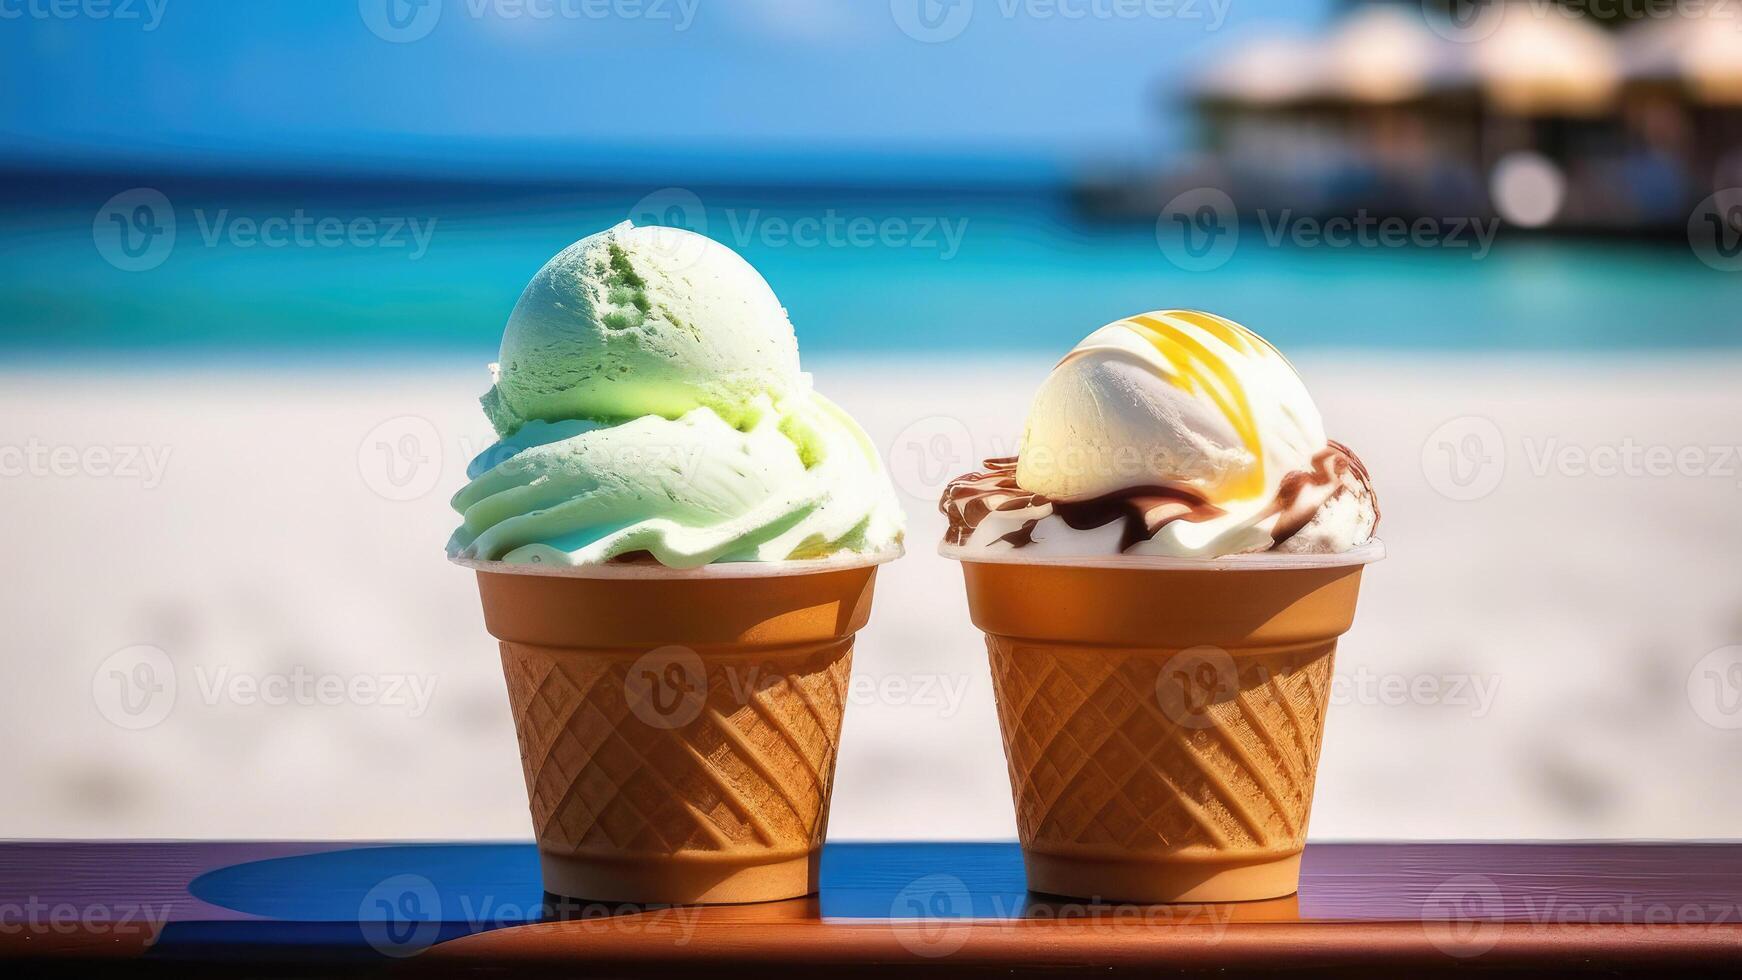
(1162, 720)
(678, 730)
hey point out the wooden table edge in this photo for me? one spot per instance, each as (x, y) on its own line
(981, 943)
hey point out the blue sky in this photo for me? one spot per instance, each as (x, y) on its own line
(535, 87)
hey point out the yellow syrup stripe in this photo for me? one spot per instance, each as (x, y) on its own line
(1227, 330)
(1196, 368)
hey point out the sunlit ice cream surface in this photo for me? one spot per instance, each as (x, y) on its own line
(649, 406)
(1173, 433)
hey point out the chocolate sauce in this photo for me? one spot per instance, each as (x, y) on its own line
(1303, 492)
(971, 497)
(1142, 511)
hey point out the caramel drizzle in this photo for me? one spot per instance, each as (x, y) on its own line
(1144, 510)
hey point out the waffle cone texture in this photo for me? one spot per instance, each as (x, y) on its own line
(1162, 726)
(678, 735)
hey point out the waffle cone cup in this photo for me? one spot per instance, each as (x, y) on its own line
(1162, 719)
(678, 730)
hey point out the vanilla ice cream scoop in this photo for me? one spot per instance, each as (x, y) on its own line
(1173, 433)
(1169, 397)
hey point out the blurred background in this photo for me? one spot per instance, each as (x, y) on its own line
(255, 258)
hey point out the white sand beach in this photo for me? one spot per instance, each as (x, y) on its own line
(1520, 667)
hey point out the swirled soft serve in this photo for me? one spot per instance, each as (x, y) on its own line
(650, 406)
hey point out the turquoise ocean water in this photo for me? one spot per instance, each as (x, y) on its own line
(989, 272)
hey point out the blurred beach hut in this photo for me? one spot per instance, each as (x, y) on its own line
(1542, 61)
(1699, 58)
(1550, 83)
(1259, 100)
(1534, 113)
(1266, 71)
(1384, 56)
(1376, 111)
(1684, 92)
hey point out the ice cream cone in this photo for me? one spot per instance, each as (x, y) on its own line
(678, 730)
(1162, 720)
